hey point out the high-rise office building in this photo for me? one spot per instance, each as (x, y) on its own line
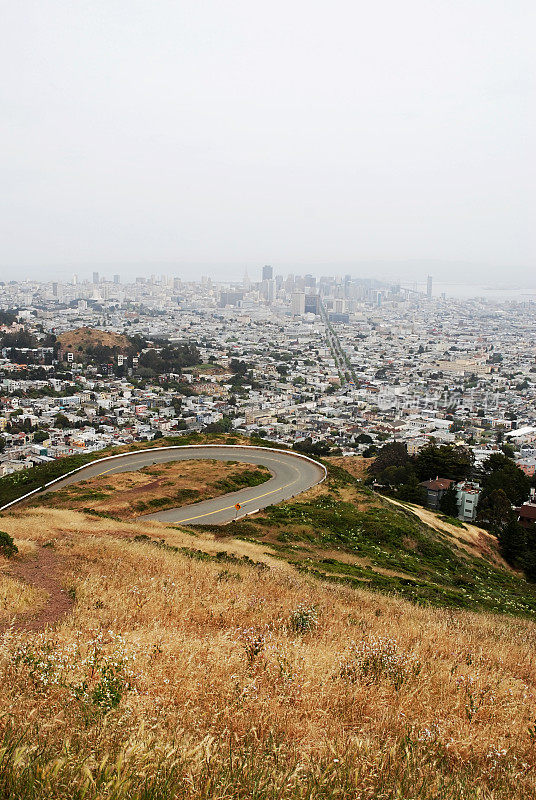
(339, 306)
(289, 283)
(312, 304)
(429, 287)
(268, 290)
(55, 289)
(267, 272)
(117, 279)
(95, 277)
(298, 303)
(231, 298)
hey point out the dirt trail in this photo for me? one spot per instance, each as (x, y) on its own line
(42, 572)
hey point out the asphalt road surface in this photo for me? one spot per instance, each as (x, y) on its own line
(290, 476)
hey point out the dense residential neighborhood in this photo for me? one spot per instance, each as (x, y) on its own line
(294, 359)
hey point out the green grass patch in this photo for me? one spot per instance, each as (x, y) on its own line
(452, 521)
(248, 477)
(434, 571)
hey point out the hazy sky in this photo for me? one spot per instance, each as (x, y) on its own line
(297, 133)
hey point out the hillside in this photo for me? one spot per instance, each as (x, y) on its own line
(83, 339)
(324, 648)
(342, 532)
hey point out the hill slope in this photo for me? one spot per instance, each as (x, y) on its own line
(82, 339)
(341, 531)
(183, 673)
(254, 661)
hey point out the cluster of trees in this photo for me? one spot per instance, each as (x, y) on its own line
(503, 487)
(170, 358)
(401, 474)
(319, 449)
(100, 353)
(518, 546)
(7, 317)
(238, 367)
(18, 339)
(223, 425)
(242, 374)
(20, 425)
(444, 461)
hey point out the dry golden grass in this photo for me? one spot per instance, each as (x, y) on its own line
(90, 337)
(237, 682)
(355, 465)
(25, 548)
(128, 495)
(49, 525)
(18, 598)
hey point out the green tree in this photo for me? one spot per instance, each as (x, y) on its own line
(495, 509)
(394, 454)
(321, 448)
(412, 492)
(224, 425)
(513, 542)
(444, 461)
(508, 450)
(8, 547)
(448, 504)
(500, 473)
(238, 367)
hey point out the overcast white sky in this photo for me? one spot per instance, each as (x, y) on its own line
(298, 133)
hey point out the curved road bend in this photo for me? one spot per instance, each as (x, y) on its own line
(290, 476)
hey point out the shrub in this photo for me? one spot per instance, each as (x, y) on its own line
(378, 658)
(303, 619)
(8, 547)
(98, 674)
(254, 642)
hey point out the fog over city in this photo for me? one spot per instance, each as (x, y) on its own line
(379, 140)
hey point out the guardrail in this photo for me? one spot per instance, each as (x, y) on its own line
(169, 447)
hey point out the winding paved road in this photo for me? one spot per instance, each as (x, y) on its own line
(291, 474)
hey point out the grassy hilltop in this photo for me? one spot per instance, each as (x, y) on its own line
(334, 646)
(81, 340)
